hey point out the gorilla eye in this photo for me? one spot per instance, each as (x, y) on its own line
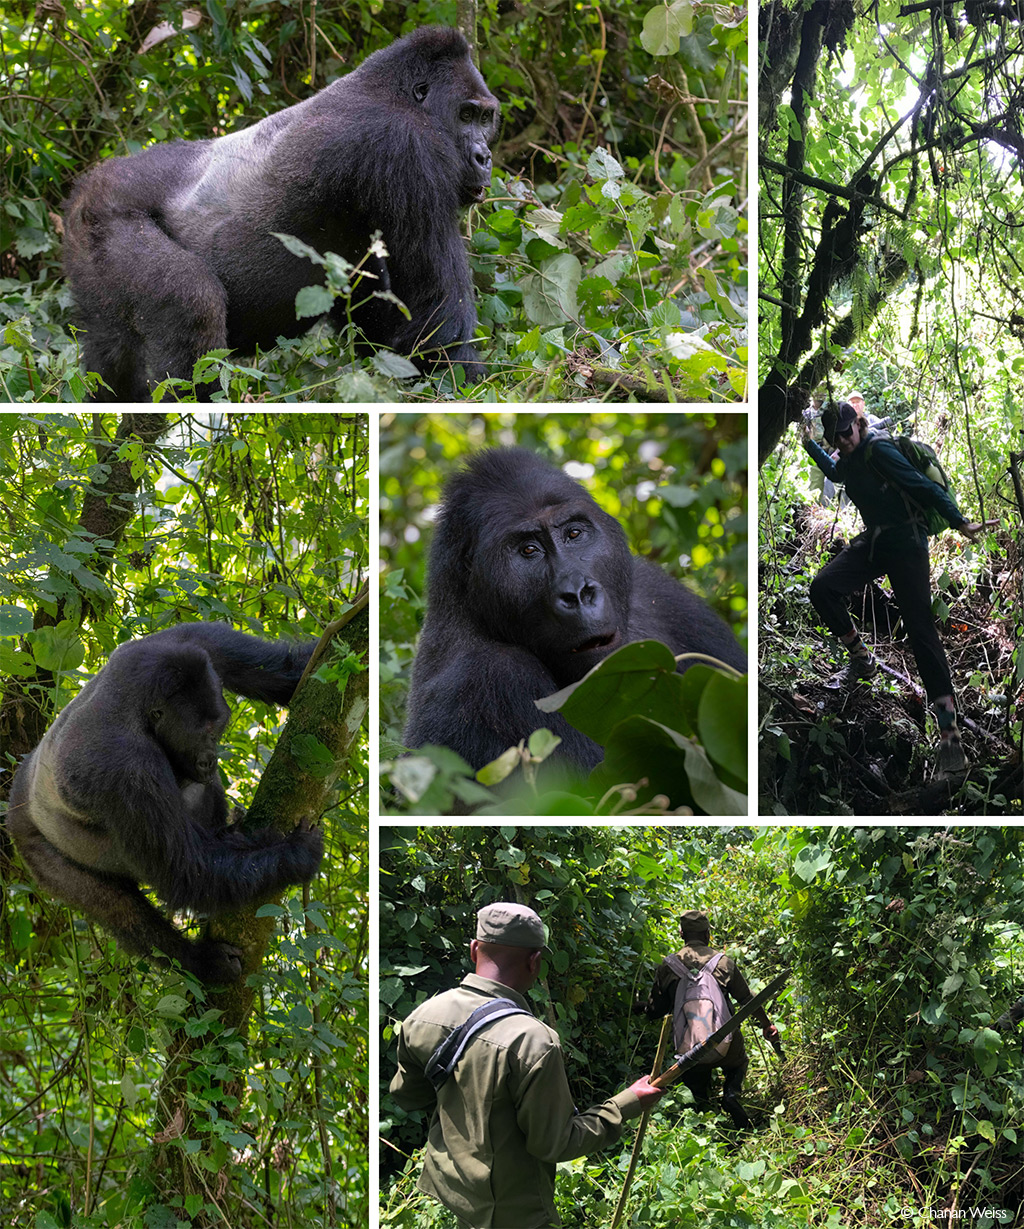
(467, 114)
(419, 91)
(574, 533)
(529, 549)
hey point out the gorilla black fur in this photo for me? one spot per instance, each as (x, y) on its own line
(124, 789)
(171, 252)
(530, 585)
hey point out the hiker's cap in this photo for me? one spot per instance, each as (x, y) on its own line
(847, 416)
(850, 396)
(511, 925)
(693, 922)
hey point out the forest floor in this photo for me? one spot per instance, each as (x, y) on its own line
(871, 749)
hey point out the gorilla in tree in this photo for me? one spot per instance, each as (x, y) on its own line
(171, 252)
(530, 585)
(124, 789)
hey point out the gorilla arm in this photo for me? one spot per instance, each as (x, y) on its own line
(130, 820)
(267, 670)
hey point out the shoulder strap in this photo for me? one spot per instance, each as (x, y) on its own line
(442, 1062)
(677, 966)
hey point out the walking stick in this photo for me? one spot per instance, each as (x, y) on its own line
(638, 1143)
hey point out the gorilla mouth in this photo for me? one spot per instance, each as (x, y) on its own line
(594, 643)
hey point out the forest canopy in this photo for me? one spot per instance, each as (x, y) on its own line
(890, 147)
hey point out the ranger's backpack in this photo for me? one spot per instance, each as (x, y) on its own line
(700, 1008)
(924, 459)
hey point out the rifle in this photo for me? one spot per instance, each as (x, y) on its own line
(692, 1056)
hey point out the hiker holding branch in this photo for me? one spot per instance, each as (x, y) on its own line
(901, 504)
(697, 985)
(493, 1077)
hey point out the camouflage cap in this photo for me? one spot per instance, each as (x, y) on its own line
(510, 925)
(693, 922)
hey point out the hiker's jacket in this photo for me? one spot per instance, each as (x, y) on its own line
(505, 1116)
(695, 956)
(878, 486)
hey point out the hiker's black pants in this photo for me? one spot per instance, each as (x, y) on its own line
(906, 565)
(698, 1081)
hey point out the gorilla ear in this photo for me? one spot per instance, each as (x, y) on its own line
(419, 90)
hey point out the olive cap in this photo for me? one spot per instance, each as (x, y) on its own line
(693, 922)
(510, 925)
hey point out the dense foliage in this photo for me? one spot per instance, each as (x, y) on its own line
(888, 217)
(260, 520)
(610, 259)
(897, 1101)
(678, 485)
(890, 263)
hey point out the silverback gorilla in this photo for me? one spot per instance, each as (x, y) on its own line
(171, 252)
(530, 585)
(124, 789)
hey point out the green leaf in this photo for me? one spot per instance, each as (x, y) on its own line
(638, 678)
(313, 301)
(812, 860)
(988, 1045)
(665, 26)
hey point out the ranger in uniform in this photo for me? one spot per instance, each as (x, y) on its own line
(502, 1111)
(695, 930)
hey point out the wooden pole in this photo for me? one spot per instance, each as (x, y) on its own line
(638, 1143)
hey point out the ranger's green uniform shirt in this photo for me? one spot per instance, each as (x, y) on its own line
(505, 1117)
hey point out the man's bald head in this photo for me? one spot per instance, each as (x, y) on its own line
(515, 967)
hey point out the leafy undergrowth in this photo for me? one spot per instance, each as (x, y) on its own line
(871, 750)
(892, 1141)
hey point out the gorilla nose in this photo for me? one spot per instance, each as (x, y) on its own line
(577, 590)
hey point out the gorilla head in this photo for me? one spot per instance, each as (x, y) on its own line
(530, 586)
(172, 251)
(184, 707)
(548, 570)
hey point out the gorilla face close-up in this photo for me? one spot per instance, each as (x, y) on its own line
(173, 251)
(530, 585)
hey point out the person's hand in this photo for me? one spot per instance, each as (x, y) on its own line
(645, 1090)
(971, 529)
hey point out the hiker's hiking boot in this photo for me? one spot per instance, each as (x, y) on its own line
(860, 667)
(952, 761)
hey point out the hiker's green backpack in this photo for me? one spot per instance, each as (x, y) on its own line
(924, 459)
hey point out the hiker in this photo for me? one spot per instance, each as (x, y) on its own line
(667, 996)
(502, 1113)
(874, 422)
(889, 493)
